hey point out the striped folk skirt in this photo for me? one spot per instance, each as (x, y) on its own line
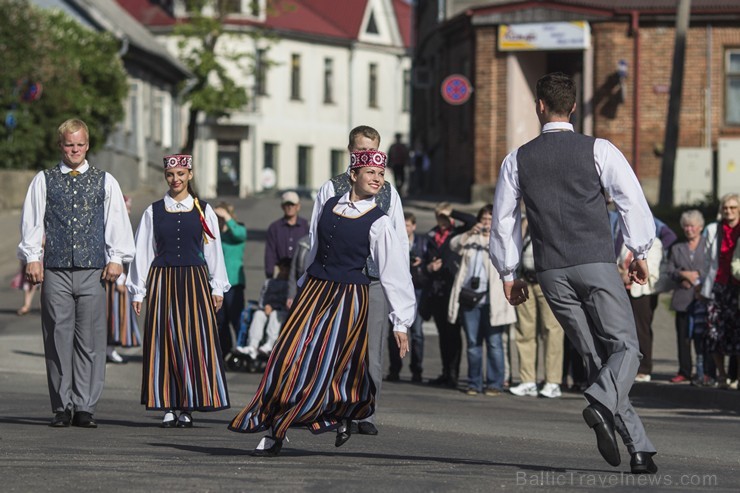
(183, 367)
(123, 327)
(317, 373)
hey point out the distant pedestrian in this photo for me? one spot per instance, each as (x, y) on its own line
(233, 241)
(561, 175)
(283, 234)
(721, 288)
(477, 298)
(687, 267)
(179, 267)
(398, 160)
(537, 322)
(417, 251)
(297, 268)
(442, 265)
(269, 316)
(80, 213)
(123, 326)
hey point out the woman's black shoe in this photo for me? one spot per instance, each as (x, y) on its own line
(343, 433)
(271, 451)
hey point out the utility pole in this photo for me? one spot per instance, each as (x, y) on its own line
(667, 169)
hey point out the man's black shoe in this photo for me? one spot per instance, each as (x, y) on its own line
(392, 377)
(84, 420)
(416, 378)
(601, 420)
(642, 463)
(61, 419)
(366, 428)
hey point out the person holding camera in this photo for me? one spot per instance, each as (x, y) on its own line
(478, 296)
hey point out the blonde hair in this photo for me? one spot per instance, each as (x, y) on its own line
(71, 126)
(723, 201)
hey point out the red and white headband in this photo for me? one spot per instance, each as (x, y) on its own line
(178, 161)
(362, 159)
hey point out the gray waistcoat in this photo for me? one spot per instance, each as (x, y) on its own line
(566, 208)
(342, 185)
(75, 219)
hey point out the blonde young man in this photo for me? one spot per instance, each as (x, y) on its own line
(81, 213)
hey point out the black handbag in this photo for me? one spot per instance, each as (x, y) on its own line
(469, 298)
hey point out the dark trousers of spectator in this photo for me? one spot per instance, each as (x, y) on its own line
(450, 340)
(230, 316)
(416, 346)
(684, 344)
(643, 309)
(573, 365)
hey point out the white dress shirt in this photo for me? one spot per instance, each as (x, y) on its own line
(119, 238)
(616, 177)
(391, 256)
(395, 213)
(146, 250)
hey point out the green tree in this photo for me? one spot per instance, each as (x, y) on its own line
(78, 70)
(214, 91)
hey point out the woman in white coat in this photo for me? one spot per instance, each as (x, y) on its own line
(478, 298)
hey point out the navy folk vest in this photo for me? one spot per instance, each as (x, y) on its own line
(74, 220)
(342, 184)
(565, 203)
(343, 245)
(178, 236)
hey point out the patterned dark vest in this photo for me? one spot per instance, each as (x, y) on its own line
(343, 245)
(75, 219)
(342, 185)
(566, 208)
(178, 236)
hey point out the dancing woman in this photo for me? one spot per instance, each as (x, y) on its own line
(317, 375)
(179, 267)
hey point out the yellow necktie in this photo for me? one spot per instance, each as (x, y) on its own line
(74, 172)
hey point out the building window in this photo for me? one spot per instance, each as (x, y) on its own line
(132, 115)
(157, 116)
(328, 80)
(338, 162)
(295, 77)
(270, 156)
(732, 99)
(304, 166)
(406, 91)
(372, 99)
(252, 8)
(260, 72)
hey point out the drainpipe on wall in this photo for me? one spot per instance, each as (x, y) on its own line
(636, 110)
(708, 93)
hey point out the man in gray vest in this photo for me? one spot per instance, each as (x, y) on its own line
(561, 176)
(364, 138)
(80, 213)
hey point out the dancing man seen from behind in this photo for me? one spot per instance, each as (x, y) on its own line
(561, 176)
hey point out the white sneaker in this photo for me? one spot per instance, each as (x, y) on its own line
(528, 389)
(642, 378)
(550, 390)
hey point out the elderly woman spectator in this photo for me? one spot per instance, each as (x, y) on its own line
(478, 297)
(720, 287)
(686, 267)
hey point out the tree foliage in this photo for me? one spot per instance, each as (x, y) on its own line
(79, 74)
(215, 91)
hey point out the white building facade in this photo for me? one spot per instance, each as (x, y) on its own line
(309, 86)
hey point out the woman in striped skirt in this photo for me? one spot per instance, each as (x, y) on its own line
(179, 267)
(317, 375)
(123, 327)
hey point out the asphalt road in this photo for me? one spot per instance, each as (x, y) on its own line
(430, 439)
